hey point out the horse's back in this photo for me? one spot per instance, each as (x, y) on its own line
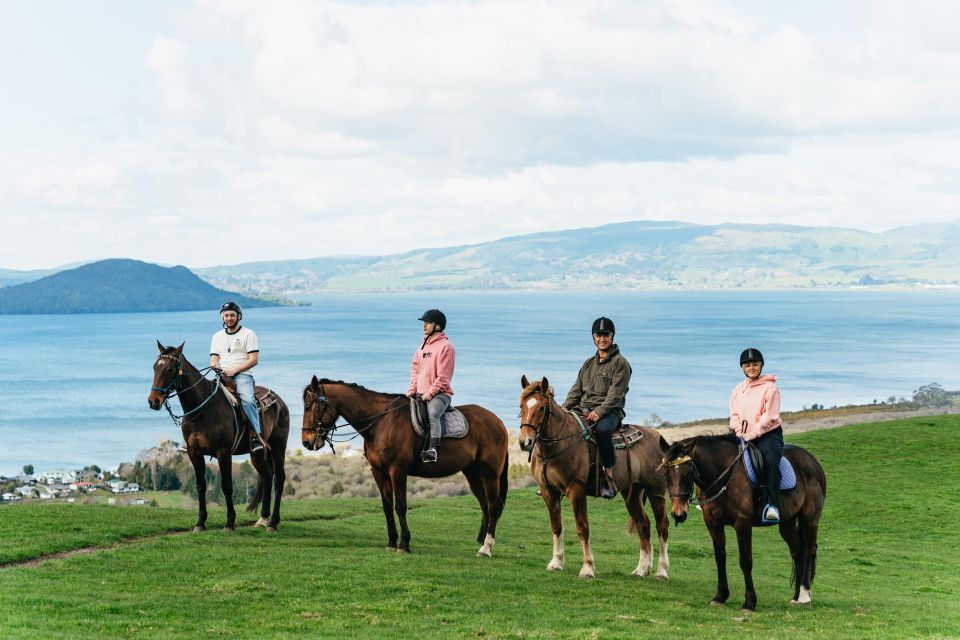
(806, 466)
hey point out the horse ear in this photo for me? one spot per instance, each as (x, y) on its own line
(523, 382)
(544, 385)
(663, 445)
(179, 350)
(159, 346)
(314, 382)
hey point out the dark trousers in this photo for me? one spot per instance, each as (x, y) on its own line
(604, 429)
(770, 446)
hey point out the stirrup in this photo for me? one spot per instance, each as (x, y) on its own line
(255, 445)
(429, 455)
(608, 488)
(770, 515)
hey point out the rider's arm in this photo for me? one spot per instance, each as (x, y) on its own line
(445, 363)
(214, 360)
(252, 360)
(770, 418)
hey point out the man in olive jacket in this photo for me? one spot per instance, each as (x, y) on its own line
(601, 387)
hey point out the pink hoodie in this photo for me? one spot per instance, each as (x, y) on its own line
(432, 367)
(757, 402)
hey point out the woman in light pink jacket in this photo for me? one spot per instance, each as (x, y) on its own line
(430, 372)
(755, 417)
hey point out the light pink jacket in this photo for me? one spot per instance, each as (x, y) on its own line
(432, 367)
(757, 402)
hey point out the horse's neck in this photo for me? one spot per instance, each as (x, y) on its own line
(561, 423)
(713, 462)
(357, 405)
(196, 388)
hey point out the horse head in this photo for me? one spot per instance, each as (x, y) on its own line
(167, 371)
(319, 416)
(679, 471)
(535, 401)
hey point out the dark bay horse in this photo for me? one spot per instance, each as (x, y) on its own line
(209, 428)
(560, 464)
(726, 497)
(392, 448)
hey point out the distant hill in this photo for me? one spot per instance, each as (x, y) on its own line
(633, 255)
(112, 286)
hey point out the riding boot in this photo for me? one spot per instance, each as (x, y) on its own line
(608, 488)
(430, 455)
(256, 444)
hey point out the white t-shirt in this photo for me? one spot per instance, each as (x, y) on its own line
(233, 348)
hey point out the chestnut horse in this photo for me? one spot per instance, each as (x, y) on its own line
(715, 465)
(560, 463)
(209, 427)
(392, 448)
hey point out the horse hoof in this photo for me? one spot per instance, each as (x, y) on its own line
(262, 522)
(403, 550)
(587, 574)
(271, 529)
(640, 573)
(793, 602)
(483, 553)
(747, 609)
(198, 529)
(554, 566)
(390, 547)
(663, 578)
(228, 528)
(716, 603)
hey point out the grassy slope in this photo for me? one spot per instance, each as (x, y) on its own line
(889, 548)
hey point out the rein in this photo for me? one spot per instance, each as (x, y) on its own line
(544, 441)
(698, 479)
(173, 390)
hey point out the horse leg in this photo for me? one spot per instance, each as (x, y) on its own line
(491, 510)
(225, 462)
(399, 479)
(791, 535)
(578, 500)
(259, 462)
(552, 499)
(719, 537)
(200, 471)
(808, 536)
(476, 487)
(633, 499)
(386, 499)
(279, 478)
(661, 514)
(745, 544)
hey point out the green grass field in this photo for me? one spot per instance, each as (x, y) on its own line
(887, 566)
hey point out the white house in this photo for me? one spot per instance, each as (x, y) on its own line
(10, 497)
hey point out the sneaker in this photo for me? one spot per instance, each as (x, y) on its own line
(255, 445)
(771, 514)
(430, 455)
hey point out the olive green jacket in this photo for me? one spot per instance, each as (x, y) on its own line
(601, 385)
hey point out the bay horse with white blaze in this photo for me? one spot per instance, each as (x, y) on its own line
(715, 465)
(392, 448)
(211, 427)
(560, 463)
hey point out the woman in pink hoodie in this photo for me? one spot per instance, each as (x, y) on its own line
(755, 417)
(430, 372)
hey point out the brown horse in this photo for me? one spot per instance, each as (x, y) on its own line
(560, 463)
(210, 427)
(392, 448)
(715, 465)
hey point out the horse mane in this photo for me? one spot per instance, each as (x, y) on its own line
(692, 441)
(352, 385)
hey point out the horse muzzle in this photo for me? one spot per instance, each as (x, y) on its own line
(526, 444)
(155, 400)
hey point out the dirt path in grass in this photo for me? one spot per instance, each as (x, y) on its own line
(130, 541)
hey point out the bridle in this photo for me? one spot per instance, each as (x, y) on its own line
(697, 479)
(326, 434)
(173, 388)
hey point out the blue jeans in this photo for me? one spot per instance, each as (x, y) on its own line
(435, 408)
(247, 401)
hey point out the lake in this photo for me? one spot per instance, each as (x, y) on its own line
(73, 388)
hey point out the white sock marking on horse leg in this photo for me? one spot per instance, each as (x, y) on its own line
(663, 567)
(646, 559)
(556, 564)
(487, 548)
(588, 570)
(262, 522)
(804, 596)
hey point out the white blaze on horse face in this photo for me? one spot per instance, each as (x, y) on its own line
(532, 402)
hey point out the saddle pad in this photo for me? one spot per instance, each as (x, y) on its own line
(264, 396)
(788, 477)
(453, 423)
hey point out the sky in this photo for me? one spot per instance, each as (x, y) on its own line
(215, 132)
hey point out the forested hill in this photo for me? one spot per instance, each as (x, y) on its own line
(113, 286)
(633, 255)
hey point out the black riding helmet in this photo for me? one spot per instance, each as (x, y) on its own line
(232, 306)
(751, 355)
(603, 325)
(436, 317)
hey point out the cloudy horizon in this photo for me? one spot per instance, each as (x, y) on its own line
(219, 132)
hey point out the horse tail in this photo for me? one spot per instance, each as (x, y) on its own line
(631, 527)
(257, 497)
(504, 481)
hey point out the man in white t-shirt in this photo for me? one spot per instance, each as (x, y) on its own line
(235, 351)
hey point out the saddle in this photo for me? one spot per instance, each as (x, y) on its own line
(625, 436)
(453, 424)
(753, 465)
(264, 396)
